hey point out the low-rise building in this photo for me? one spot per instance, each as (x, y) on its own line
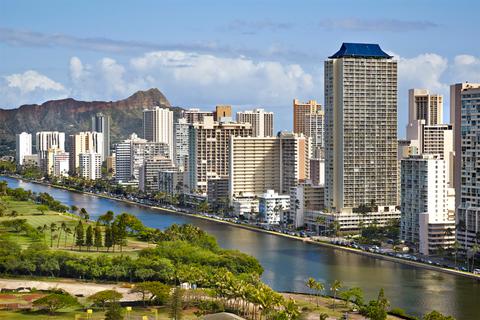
(303, 198)
(246, 206)
(61, 164)
(273, 207)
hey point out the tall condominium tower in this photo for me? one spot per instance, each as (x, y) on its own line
(456, 121)
(360, 129)
(158, 126)
(90, 165)
(210, 148)
(84, 142)
(23, 146)
(468, 216)
(300, 109)
(180, 141)
(261, 121)
(101, 123)
(422, 105)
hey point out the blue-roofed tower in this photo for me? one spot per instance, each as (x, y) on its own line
(361, 135)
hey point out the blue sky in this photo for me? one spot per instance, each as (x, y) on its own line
(244, 53)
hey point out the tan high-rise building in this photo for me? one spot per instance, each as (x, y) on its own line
(254, 165)
(456, 122)
(361, 131)
(300, 109)
(222, 111)
(84, 142)
(261, 121)
(423, 105)
(210, 150)
(196, 115)
(277, 163)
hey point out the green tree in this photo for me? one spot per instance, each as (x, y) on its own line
(336, 286)
(55, 301)
(89, 237)
(79, 241)
(435, 315)
(53, 228)
(102, 298)
(84, 214)
(353, 295)
(175, 305)
(114, 311)
(42, 209)
(153, 292)
(98, 237)
(108, 238)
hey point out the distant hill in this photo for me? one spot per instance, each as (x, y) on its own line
(69, 116)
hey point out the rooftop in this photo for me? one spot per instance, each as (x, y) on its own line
(360, 50)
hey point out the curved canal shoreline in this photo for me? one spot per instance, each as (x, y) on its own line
(256, 229)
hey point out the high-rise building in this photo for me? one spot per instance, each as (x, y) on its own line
(304, 198)
(158, 126)
(422, 105)
(196, 115)
(90, 165)
(110, 161)
(300, 109)
(101, 123)
(223, 113)
(171, 181)
(61, 164)
(23, 146)
(261, 121)
(277, 163)
(317, 171)
(468, 214)
(456, 122)
(361, 131)
(255, 164)
(49, 162)
(180, 141)
(426, 204)
(46, 140)
(131, 154)
(295, 165)
(209, 150)
(149, 171)
(315, 130)
(84, 142)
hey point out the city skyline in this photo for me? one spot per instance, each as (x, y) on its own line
(279, 56)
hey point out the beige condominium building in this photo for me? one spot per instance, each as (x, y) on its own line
(423, 105)
(210, 150)
(84, 142)
(158, 126)
(261, 121)
(361, 132)
(277, 163)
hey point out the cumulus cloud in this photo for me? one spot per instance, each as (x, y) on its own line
(465, 68)
(28, 87)
(385, 25)
(32, 80)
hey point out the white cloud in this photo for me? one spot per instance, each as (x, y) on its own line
(28, 87)
(465, 68)
(32, 80)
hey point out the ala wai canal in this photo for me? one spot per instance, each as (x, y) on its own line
(288, 263)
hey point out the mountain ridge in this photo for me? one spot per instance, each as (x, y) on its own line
(70, 116)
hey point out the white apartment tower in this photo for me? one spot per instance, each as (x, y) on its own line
(180, 141)
(61, 164)
(426, 203)
(158, 126)
(261, 121)
(23, 146)
(360, 129)
(90, 165)
(101, 123)
(46, 140)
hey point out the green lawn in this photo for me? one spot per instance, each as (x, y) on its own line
(58, 239)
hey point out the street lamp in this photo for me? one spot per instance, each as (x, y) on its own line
(129, 309)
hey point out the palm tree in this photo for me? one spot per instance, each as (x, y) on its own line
(73, 208)
(321, 220)
(336, 285)
(53, 228)
(456, 247)
(67, 231)
(474, 250)
(323, 316)
(319, 287)
(63, 226)
(311, 284)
